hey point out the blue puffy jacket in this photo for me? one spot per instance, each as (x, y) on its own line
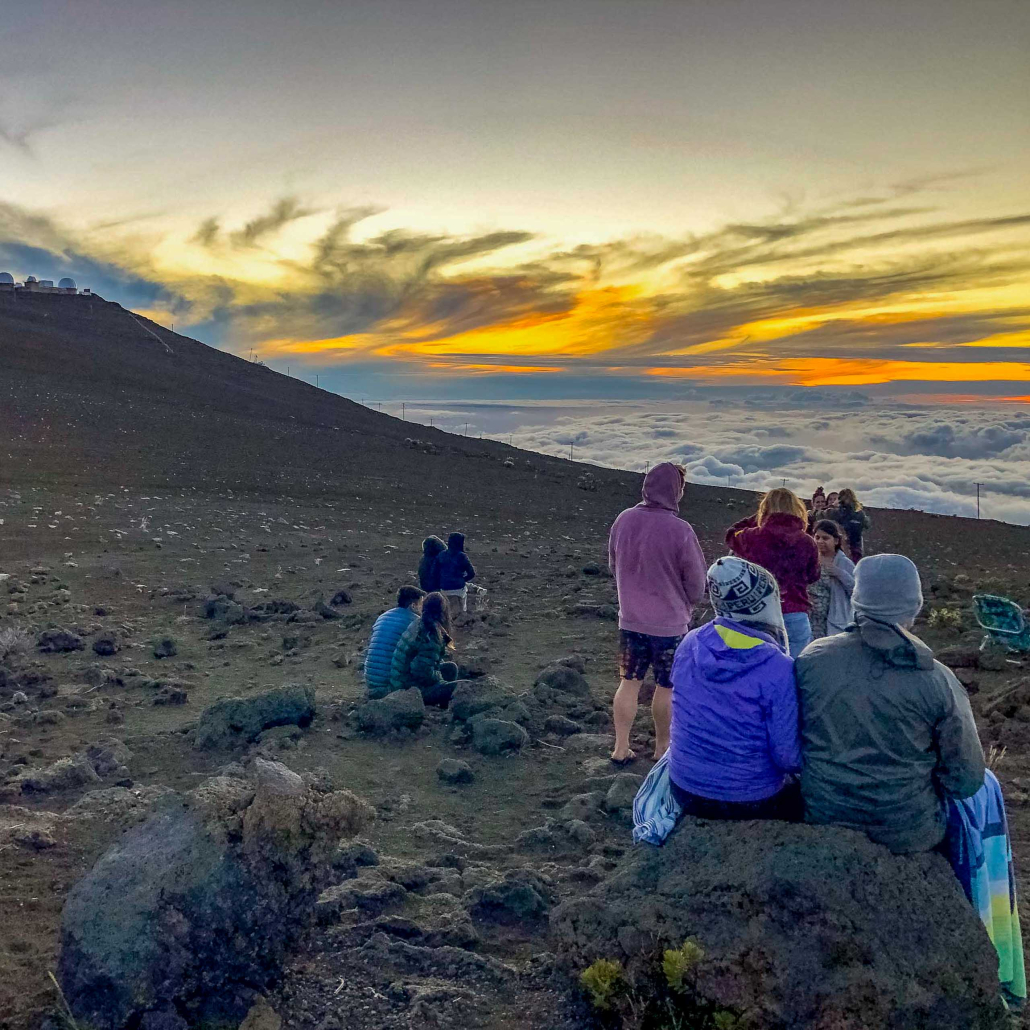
(387, 631)
(735, 733)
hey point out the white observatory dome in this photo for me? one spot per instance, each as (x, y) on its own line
(66, 284)
(31, 279)
(6, 278)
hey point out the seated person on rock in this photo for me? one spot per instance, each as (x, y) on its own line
(734, 740)
(386, 632)
(419, 658)
(887, 732)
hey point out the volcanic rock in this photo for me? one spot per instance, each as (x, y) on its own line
(401, 709)
(55, 641)
(472, 697)
(801, 926)
(495, 736)
(452, 770)
(236, 720)
(194, 909)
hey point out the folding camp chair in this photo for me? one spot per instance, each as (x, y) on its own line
(1004, 622)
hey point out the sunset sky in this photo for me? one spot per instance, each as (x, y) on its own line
(582, 198)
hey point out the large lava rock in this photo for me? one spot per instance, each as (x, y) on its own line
(801, 926)
(239, 720)
(191, 913)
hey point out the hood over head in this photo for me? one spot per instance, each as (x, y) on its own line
(456, 542)
(895, 644)
(663, 487)
(432, 546)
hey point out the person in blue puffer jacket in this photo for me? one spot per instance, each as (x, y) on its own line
(735, 739)
(386, 633)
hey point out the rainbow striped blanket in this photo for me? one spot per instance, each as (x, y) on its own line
(980, 852)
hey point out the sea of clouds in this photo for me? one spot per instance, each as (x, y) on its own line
(894, 456)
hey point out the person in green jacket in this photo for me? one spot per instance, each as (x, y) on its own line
(887, 733)
(419, 659)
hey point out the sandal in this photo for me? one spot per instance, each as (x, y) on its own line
(621, 763)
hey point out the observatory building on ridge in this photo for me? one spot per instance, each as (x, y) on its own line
(34, 285)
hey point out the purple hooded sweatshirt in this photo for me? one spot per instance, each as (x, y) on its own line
(735, 733)
(657, 562)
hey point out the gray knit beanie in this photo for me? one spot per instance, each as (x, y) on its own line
(887, 588)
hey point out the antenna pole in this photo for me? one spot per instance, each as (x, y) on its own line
(978, 485)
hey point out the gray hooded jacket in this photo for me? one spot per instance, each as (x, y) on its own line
(886, 731)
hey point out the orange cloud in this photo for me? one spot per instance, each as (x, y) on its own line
(855, 372)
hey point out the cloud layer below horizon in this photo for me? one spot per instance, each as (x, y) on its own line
(930, 459)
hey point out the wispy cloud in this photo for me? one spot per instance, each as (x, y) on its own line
(865, 291)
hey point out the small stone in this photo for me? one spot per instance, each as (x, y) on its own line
(106, 644)
(402, 709)
(165, 647)
(453, 770)
(622, 792)
(19, 697)
(561, 725)
(275, 778)
(580, 832)
(495, 736)
(565, 678)
(56, 641)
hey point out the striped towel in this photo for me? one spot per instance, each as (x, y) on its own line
(980, 852)
(655, 810)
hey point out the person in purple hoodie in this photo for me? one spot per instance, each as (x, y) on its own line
(660, 575)
(735, 733)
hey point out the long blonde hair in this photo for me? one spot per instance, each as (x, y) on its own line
(781, 500)
(847, 496)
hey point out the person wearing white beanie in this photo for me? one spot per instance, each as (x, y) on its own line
(886, 730)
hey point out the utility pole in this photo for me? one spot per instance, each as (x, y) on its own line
(978, 485)
(404, 417)
(316, 380)
(466, 429)
(570, 450)
(647, 467)
(784, 480)
(380, 405)
(430, 421)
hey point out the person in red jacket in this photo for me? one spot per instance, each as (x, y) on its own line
(776, 539)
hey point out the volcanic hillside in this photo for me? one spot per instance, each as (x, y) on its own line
(179, 526)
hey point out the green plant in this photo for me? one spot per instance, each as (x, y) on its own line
(725, 1020)
(949, 619)
(677, 964)
(603, 980)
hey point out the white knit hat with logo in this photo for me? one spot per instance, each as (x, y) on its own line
(745, 592)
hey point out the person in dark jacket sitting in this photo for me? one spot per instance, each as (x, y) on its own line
(456, 571)
(419, 658)
(387, 631)
(776, 539)
(428, 571)
(887, 733)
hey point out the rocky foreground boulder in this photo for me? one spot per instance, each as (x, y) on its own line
(190, 914)
(798, 926)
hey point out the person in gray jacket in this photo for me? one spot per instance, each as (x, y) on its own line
(886, 731)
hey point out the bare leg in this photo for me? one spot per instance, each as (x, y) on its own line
(624, 711)
(661, 710)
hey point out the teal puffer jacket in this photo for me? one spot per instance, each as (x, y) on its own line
(387, 631)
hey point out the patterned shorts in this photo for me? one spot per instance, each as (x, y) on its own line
(640, 651)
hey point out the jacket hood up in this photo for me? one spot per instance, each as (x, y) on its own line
(894, 644)
(432, 546)
(456, 542)
(663, 487)
(719, 662)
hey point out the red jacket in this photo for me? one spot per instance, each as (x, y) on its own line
(783, 547)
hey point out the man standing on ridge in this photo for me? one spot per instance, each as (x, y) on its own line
(660, 575)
